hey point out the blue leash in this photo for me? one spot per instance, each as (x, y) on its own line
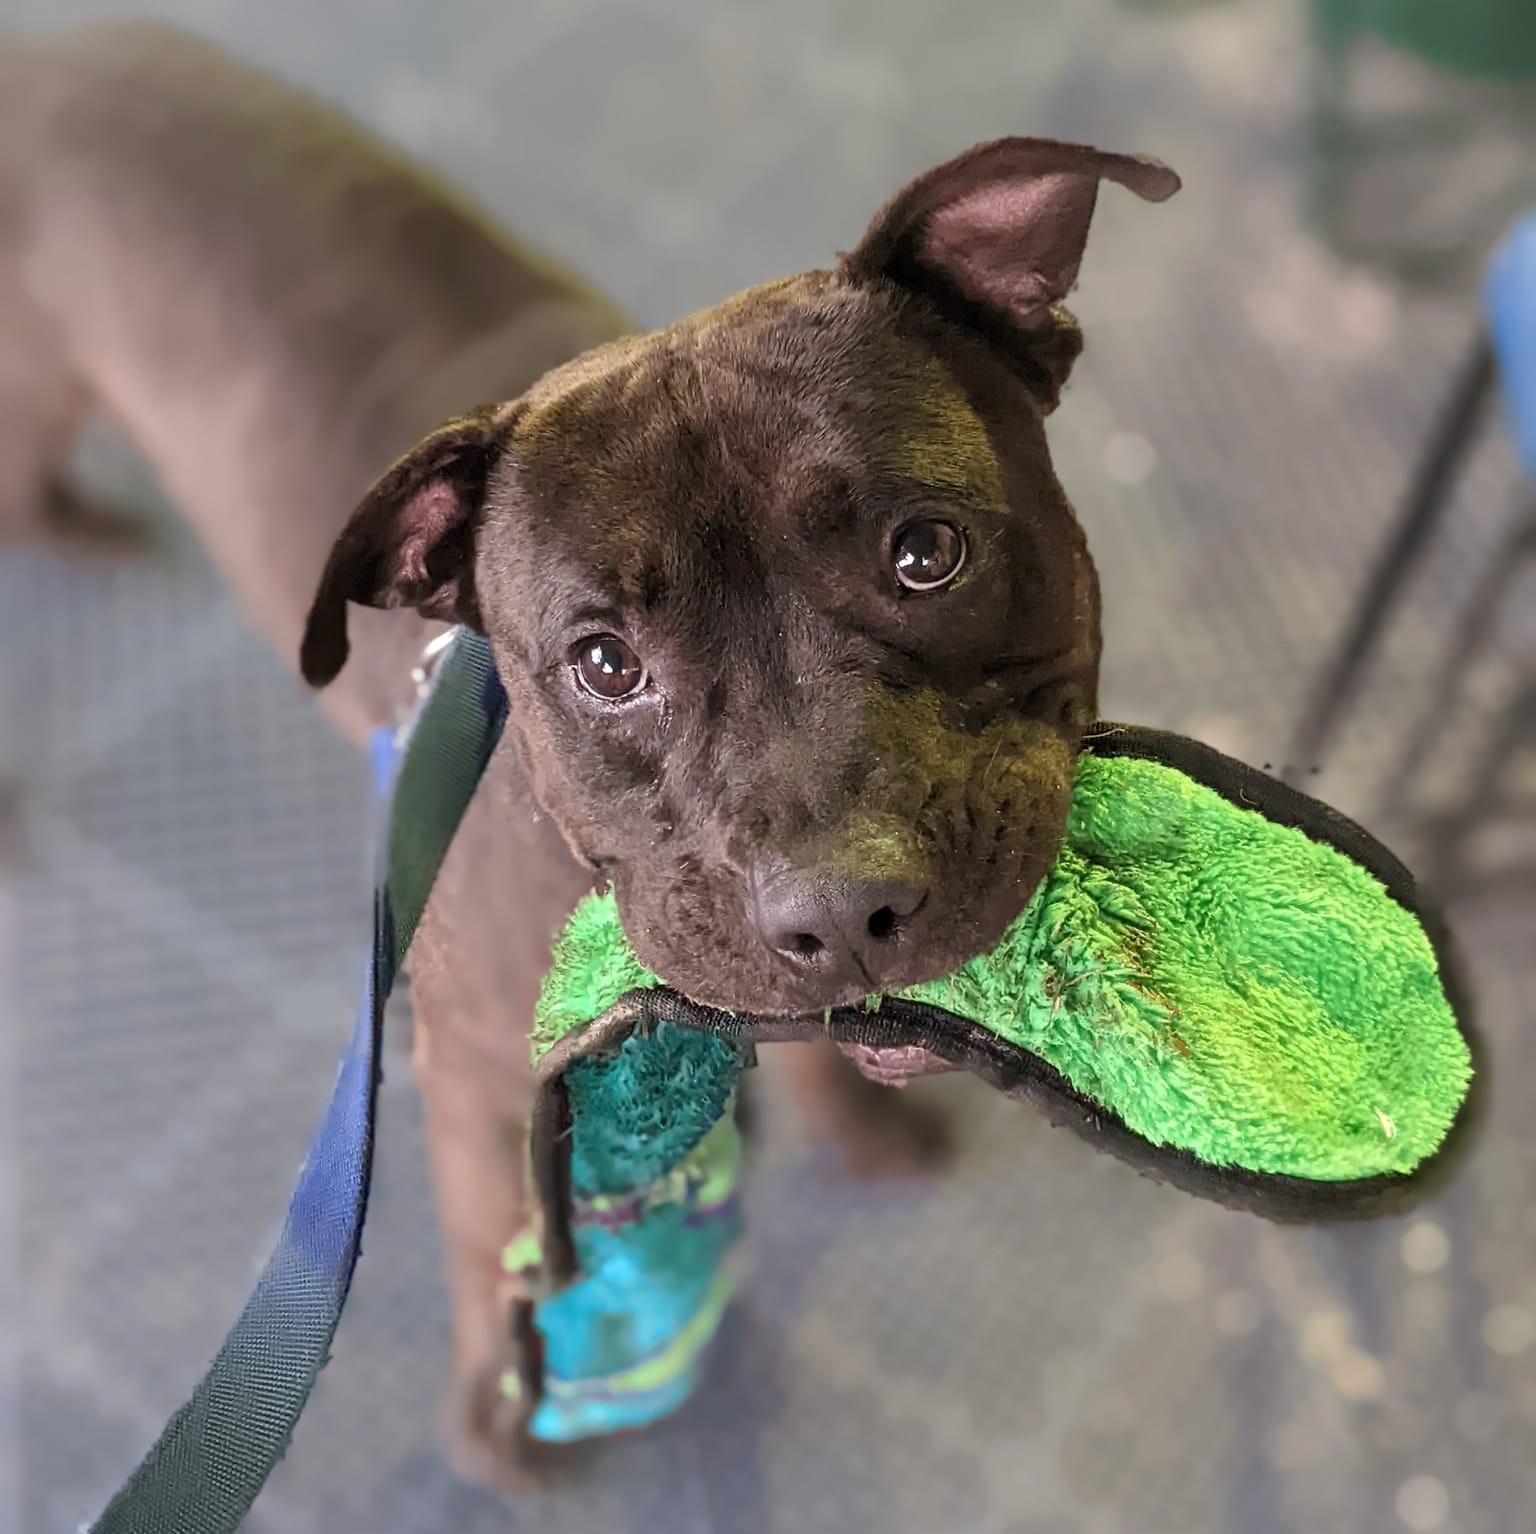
(215, 1454)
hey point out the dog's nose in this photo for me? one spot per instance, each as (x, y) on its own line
(826, 924)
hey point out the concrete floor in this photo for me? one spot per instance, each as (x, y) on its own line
(1042, 1344)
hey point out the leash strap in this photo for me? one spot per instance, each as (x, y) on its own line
(215, 1454)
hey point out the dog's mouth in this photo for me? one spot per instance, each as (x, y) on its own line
(895, 1065)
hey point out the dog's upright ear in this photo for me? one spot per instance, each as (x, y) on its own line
(995, 237)
(411, 540)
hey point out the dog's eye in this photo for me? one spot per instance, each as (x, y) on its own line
(607, 668)
(928, 554)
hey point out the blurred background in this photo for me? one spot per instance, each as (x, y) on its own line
(1042, 1343)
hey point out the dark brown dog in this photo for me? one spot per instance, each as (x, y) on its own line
(799, 629)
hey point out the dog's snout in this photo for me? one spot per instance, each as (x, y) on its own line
(826, 924)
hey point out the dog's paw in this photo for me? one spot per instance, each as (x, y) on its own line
(73, 523)
(489, 1444)
(888, 1134)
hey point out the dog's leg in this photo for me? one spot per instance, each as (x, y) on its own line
(73, 522)
(879, 1131)
(505, 890)
(473, 1106)
(42, 406)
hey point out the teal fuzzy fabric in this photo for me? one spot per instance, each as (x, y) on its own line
(635, 1116)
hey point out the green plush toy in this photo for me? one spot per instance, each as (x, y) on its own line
(1219, 980)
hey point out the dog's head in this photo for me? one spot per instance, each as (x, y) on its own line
(799, 630)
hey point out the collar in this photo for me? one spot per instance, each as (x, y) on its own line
(387, 744)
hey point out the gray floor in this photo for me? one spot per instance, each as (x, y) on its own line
(1043, 1344)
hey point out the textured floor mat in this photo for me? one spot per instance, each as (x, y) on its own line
(1042, 1343)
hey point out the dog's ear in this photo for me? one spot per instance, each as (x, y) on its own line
(995, 237)
(411, 540)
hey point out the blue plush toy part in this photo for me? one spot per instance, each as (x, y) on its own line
(655, 1159)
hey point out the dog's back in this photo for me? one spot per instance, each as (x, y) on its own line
(267, 299)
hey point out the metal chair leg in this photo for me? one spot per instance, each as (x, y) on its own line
(1478, 618)
(1443, 861)
(1416, 525)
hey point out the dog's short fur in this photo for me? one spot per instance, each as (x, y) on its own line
(274, 307)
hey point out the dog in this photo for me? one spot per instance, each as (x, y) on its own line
(799, 629)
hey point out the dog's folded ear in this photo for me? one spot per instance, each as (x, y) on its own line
(411, 540)
(995, 237)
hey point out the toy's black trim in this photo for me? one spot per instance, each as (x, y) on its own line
(1274, 1196)
(1250, 789)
